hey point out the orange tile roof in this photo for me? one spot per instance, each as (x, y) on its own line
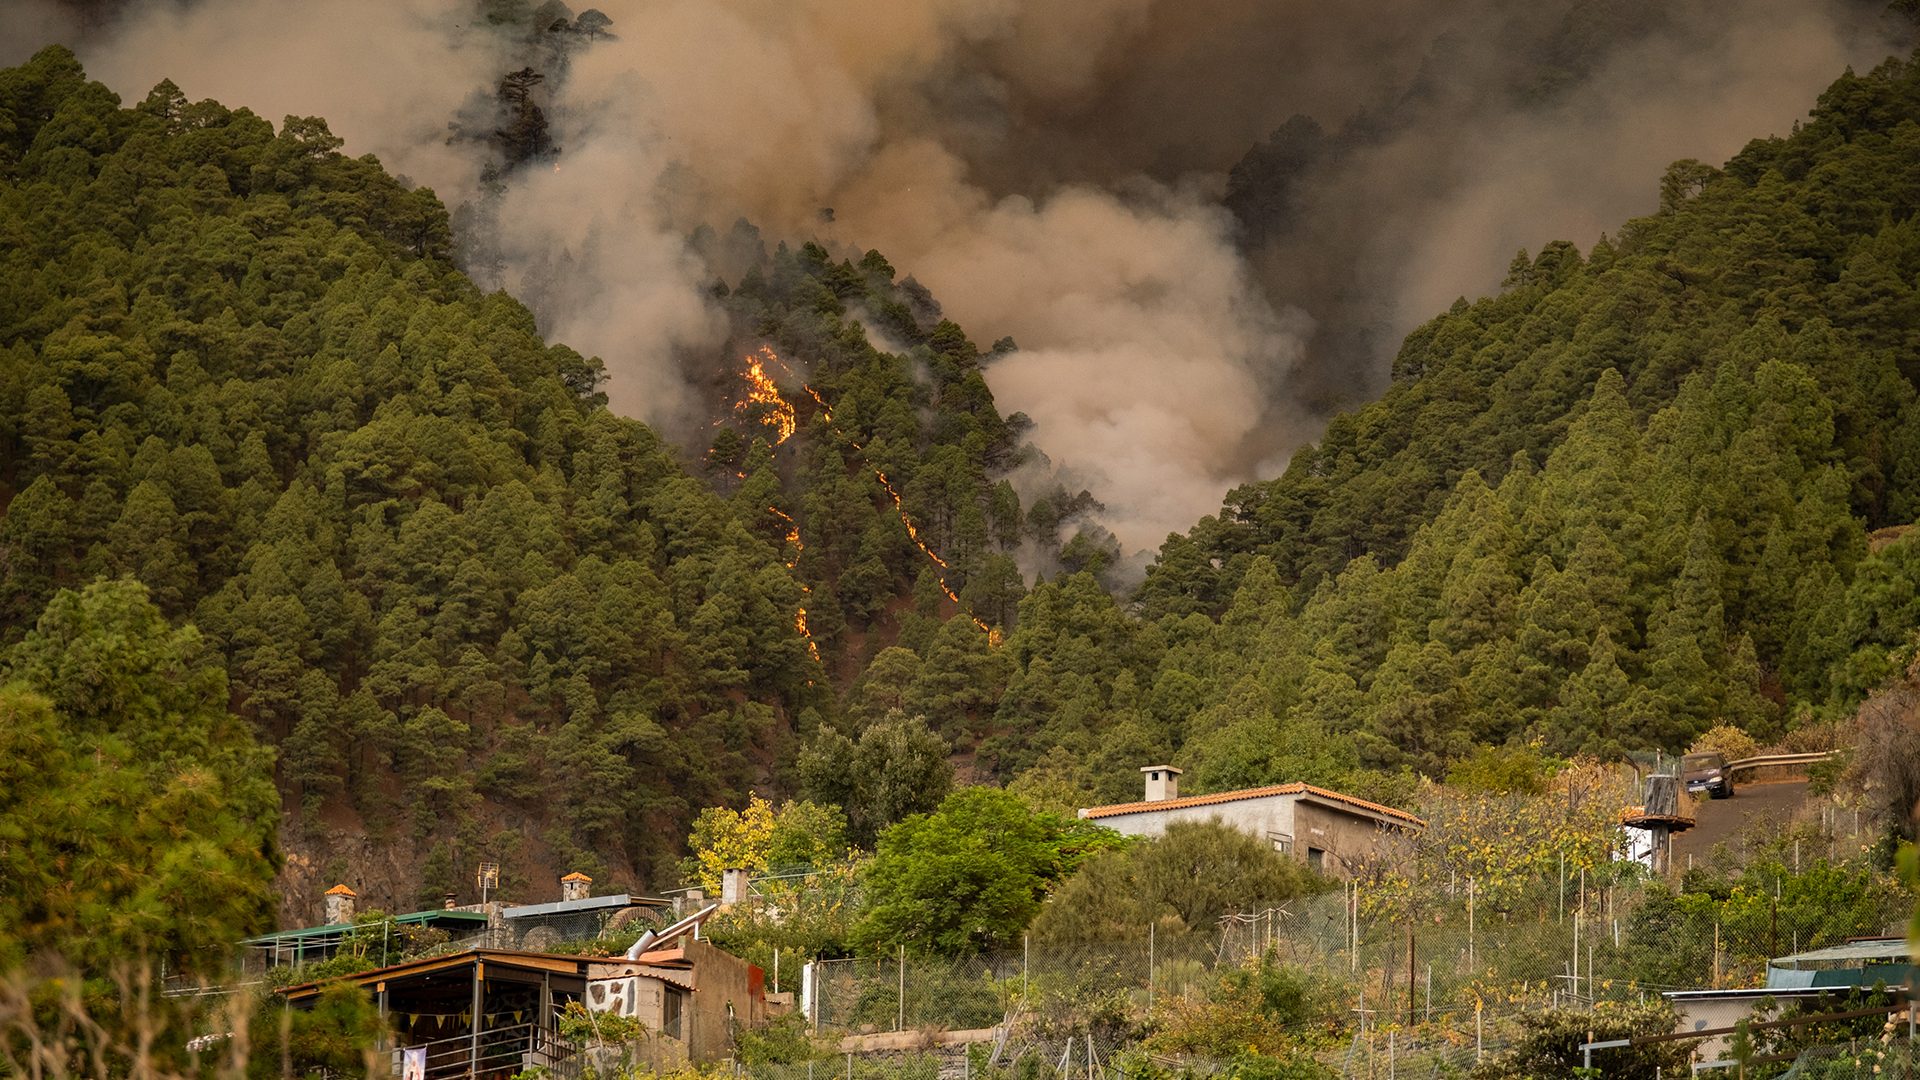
(341, 890)
(1248, 793)
(576, 876)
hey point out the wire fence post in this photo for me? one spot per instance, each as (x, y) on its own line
(1150, 943)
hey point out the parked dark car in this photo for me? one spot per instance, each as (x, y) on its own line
(1707, 772)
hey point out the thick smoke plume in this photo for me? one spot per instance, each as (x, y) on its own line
(1057, 172)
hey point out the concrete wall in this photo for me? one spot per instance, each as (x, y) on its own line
(720, 979)
(1258, 817)
(1346, 839)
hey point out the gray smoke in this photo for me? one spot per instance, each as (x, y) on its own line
(1052, 171)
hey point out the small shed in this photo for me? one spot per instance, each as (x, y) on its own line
(694, 994)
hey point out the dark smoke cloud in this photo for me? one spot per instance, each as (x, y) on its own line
(1055, 171)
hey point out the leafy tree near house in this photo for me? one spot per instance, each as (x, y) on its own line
(971, 875)
(137, 816)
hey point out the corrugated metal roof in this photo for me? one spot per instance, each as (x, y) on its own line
(1869, 949)
(1250, 793)
(566, 965)
(560, 907)
(335, 929)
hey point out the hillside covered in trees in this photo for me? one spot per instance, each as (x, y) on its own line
(479, 615)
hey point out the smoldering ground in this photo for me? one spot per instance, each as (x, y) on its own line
(1064, 173)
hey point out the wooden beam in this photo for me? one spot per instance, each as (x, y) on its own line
(473, 1027)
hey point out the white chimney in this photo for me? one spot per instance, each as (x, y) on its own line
(575, 886)
(339, 905)
(733, 885)
(1163, 782)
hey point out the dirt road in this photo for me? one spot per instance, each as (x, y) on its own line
(1721, 820)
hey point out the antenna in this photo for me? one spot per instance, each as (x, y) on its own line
(488, 878)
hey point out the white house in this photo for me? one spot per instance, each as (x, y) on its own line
(1331, 832)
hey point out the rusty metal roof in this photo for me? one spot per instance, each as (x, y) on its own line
(1252, 793)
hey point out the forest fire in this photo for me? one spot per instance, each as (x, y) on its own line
(762, 391)
(905, 520)
(800, 624)
(793, 537)
(899, 506)
(793, 533)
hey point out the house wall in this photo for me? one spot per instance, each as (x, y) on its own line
(1346, 838)
(1258, 817)
(721, 979)
(635, 996)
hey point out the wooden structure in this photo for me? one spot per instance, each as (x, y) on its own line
(1668, 810)
(477, 1013)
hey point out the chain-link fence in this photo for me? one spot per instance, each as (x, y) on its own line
(1422, 985)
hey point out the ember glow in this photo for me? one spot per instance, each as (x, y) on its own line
(762, 391)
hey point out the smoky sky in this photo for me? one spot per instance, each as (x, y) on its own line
(1061, 172)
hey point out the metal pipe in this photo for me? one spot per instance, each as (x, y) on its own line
(650, 939)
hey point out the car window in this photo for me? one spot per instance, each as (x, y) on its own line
(1703, 761)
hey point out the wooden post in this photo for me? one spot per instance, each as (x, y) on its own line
(1150, 926)
(1412, 971)
(545, 1023)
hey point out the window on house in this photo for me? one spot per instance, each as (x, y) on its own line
(1282, 842)
(671, 1011)
(1316, 858)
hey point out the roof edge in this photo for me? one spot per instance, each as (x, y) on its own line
(1094, 813)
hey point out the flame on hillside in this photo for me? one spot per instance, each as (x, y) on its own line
(793, 534)
(913, 533)
(793, 537)
(762, 391)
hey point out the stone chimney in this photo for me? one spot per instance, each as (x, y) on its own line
(575, 886)
(1163, 782)
(733, 886)
(339, 904)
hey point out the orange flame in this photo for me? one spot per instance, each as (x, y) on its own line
(907, 521)
(757, 375)
(800, 624)
(762, 391)
(793, 533)
(800, 618)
